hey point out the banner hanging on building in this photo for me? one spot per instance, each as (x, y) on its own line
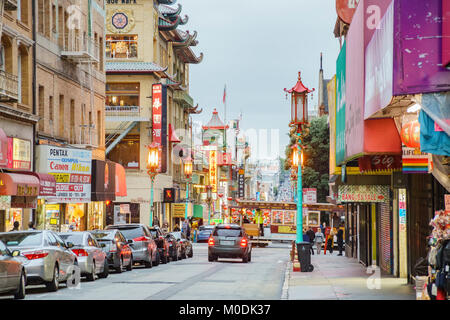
(363, 193)
(213, 170)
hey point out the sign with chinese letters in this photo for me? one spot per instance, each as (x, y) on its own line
(19, 154)
(355, 193)
(213, 170)
(241, 183)
(159, 123)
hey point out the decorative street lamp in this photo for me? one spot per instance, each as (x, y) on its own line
(299, 117)
(152, 171)
(188, 174)
(209, 198)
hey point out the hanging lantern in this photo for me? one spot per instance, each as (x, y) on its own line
(410, 134)
(299, 103)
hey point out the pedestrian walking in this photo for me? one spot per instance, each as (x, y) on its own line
(319, 239)
(330, 241)
(311, 236)
(16, 226)
(259, 220)
(340, 239)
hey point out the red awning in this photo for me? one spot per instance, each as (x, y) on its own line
(121, 181)
(3, 149)
(382, 137)
(172, 135)
(47, 184)
(15, 184)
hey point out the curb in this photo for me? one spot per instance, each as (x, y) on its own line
(287, 276)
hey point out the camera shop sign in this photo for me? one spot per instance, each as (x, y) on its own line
(72, 169)
(353, 193)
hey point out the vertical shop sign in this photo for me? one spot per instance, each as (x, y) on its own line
(241, 183)
(213, 170)
(340, 105)
(402, 232)
(159, 123)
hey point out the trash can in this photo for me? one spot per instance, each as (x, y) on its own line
(304, 256)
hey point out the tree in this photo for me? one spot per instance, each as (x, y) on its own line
(316, 152)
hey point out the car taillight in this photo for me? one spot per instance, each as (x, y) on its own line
(80, 252)
(139, 239)
(35, 254)
(211, 241)
(244, 243)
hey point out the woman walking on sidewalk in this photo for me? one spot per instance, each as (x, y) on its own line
(319, 238)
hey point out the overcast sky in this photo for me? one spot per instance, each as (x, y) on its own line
(257, 48)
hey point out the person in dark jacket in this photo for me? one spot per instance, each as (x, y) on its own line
(340, 239)
(311, 236)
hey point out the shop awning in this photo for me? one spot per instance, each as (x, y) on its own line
(121, 181)
(382, 137)
(3, 149)
(172, 135)
(47, 184)
(15, 184)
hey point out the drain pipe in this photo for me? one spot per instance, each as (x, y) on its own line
(33, 217)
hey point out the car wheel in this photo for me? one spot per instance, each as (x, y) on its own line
(91, 276)
(245, 259)
(164, 258)
(119, 269)
(53, 285)
(249, 257)
(191, 253)
(211, 258)
(21, 292)
(105, 272)
(130, 265)
(158, 258)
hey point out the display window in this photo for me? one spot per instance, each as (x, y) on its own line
(96, 215)
(121, 47)
(74, 218)
(13, 215)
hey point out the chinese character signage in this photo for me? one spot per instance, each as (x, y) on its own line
(72, 169)
(355, 193)
(159, 122)
(213, 170)
(241, 183)
(19, 154)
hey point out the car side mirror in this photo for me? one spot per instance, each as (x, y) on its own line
(70, 245)
(15, 253)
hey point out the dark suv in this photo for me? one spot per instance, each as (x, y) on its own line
(162, 243)
(143, 246)
(229, 241)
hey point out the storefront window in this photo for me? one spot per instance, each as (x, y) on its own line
(49, 217)
(13, 215)
(96, 215)
(126, 153)
(121, 47)
(74, 218)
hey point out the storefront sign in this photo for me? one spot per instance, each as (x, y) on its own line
(3, 149)
(340, 104)
(355, 193)
(159, 120)
(213, 170)
(380, 163)
(447, 202)
(178, 210)
(346, 9)
(23, 202)
(19, 154)
(309, 195)
(241, 183)
(72, 170)
(415, 161)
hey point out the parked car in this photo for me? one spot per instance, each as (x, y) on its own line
(49, 259)
(229, 241)
(162, 244)
(13, 276)
(116, 247)
(91, 258)
(174, 247)
(186, 244)
(204, 232)
(142, 245)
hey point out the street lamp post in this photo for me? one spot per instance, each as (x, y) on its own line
(188, 174)
(209, 198)
(152, 168)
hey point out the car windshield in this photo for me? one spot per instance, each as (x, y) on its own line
(206, 228)
(29, 239)
(104, 235)
(177, 235)
(219, 232)
(75, 238)
(132, 232)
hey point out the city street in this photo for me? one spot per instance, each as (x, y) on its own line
(190, 279)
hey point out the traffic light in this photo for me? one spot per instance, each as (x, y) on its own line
(169, 195)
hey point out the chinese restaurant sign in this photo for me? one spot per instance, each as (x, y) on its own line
(159, 120)
(72, 170)
(213, 170)
(363, 193)
(241, 183)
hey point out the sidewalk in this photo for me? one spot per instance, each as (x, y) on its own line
(341, 278)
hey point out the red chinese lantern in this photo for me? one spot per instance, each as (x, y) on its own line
(411, 134)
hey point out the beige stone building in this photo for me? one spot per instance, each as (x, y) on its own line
(145, 45)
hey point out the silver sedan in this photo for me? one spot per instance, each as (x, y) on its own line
(49, 259)
(12, 274)
(91, 258)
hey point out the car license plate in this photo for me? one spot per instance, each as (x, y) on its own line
(227, 242)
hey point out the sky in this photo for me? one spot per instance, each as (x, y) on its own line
(257, 49)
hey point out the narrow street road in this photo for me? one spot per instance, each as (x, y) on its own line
(190, 279)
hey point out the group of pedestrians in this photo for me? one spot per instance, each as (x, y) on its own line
(319, 237)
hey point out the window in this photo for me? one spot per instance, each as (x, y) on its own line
(121, 47)
(61, 115)
(122, 95)
(51, 240)
(126, 153)
(41, 108)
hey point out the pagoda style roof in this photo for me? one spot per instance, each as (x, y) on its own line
(194, 110)
(188, 56)
(134, 67)
(215, 123)
(189, 40)
(167, 24)
(167, 11)
(299, 87)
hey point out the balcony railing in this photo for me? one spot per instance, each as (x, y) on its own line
(184, 98)
(125, 113)
(10, 5)
(79, 49)
(9, 87)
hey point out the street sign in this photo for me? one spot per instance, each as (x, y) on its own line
(309, 195)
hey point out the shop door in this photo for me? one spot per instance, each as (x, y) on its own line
(363, 235)
(385, 238)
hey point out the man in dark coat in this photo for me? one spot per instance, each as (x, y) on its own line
(340, 239)
(311, 236)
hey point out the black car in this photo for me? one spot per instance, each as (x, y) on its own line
(174, 247)
(116, 247)
(162, 243)
(185, 243)
(229, 241)
(12, 274)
